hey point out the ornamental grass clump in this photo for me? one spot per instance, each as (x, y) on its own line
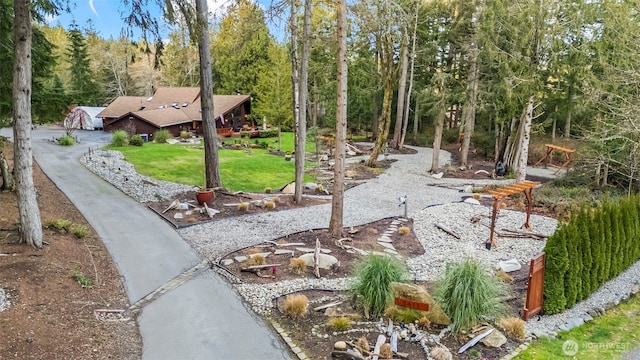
(403, 230)
(296, 305)
(243, 206)
(339, 323)
(467, 293)
(373, 276)
(298, 266)
(514, 327)
(161, 136)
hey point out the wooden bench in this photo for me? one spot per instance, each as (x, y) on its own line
(500, 194)
(548, 157)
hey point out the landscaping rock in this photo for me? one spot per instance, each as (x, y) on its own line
(587, 318)
(311, 186)
(283, 252)
(340, 345)
(420, 294)
(635, 289)
(509, 265)
(324, 261)
(241, 258)
(495, 339)
(472, 201)
(385, 239)
(227, 262)
(438, 175)
(289, 188)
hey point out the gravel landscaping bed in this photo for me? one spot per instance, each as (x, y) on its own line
(371, 201)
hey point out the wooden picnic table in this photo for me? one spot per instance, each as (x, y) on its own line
(548, 157)
(500, 194)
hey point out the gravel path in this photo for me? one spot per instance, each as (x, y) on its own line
(429, 201)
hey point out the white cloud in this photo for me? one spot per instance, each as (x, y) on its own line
(50, 18)
(218, 8)
(93, 8)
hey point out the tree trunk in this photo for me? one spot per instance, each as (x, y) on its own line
(337, 201)
(211, 164)
(375, 117)
(316, 100)
(469, 112)
(384, 122)
(405, 120)
(554, 125)
(301, 127)
(437, 140)
(521, 172)
(30, 223)
(402, 92)
(567, 124)
(416, 119)
(5, 174)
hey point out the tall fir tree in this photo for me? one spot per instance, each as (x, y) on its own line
(82, 88)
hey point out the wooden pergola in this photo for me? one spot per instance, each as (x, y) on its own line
(500, 194)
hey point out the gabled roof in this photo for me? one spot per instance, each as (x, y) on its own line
(122, 105)
(170, 106)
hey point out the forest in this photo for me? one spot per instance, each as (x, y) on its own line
(418, 71)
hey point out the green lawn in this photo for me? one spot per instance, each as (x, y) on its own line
(240, 169)
(606, 337)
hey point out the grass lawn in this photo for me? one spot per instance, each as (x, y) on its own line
(606, 337)
(239, 170)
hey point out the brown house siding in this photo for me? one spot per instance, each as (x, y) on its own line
(143, 127)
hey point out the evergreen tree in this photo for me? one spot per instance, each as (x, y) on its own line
(617, 241)
(595, 230)
(557, 263)
(572, 281)
(82, 89)
(608, 244)
(585, 247)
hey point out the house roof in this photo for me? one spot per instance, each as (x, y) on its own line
(122, 105)
(170, 106)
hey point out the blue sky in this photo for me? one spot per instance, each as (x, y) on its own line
(105, 16)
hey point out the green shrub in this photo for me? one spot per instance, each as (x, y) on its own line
(119, 138)
(82, 279)
(467, 293)
(268, 133)
(373, 276)
(80, 231)
(450, 136)
(66, 140)
(136, 140)
(58, 224)
(161, 136)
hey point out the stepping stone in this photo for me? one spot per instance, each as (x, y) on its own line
(403, 219)
(386, 245)
(379, 253)
(389, 233)
(227, 262)
(283, 252)
(240, 258)
(325, 251)
(351, 252)
(305, 250)
(178, 216)
(394, 227)
(395, 222)
(264, 254)
(385, 239)
(393, 252)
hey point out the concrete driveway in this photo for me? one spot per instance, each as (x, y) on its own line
(186, 310)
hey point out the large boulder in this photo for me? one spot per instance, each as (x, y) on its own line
(325, 261)
(420, 294)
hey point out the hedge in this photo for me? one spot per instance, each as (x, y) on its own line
(596, 245)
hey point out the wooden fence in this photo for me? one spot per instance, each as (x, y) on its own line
(533, 305)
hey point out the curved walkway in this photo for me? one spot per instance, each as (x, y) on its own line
(196, 316)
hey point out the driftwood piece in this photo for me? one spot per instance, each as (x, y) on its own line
(209, 211)
(376, 349)
(474, 341)
(316, 259)
(353, 148)
(447, 230)
(258, 267)
(322, 307)
(394, 341)
(346, 355)
(174, 204)
(402, 355)
(526, 234)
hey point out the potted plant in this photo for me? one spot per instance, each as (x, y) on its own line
(288, 156)
(204, 194)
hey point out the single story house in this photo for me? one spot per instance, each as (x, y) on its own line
(175, 110)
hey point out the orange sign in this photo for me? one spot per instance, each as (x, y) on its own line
(411, 304)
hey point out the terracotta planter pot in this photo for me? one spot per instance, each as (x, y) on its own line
(204, 196)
